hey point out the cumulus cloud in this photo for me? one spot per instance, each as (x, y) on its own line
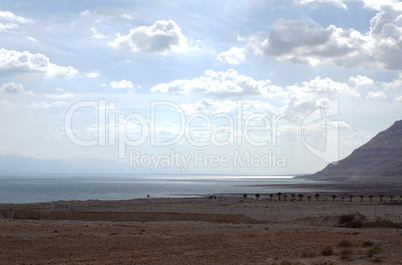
(376, 95)
(17, 62)
(360, 81)
(122, 84)
(12, 88)
(94, 74)
(163, 36)
(296, 42)
(223, 84)
(233, 56)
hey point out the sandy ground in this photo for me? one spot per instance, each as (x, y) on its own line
(228, 230)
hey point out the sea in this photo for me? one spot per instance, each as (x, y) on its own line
(47, 188)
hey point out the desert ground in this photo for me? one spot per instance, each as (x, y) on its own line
(223, 229)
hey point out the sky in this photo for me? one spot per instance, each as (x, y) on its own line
(199, 87)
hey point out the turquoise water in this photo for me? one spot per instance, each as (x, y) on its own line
(28, 189)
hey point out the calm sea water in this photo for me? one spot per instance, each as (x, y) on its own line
(27, 189)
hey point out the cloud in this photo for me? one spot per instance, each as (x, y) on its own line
(374, 4)
(360, 81)
(376, 95)
(394, 84)
(222, 84)
(295, 41)
(26, 62)
(163, 36)
(232, 56)
(94, 74)
(334, 2)
(65, 95)
(122, 84)
(97, 35)
(104, 13)
(9, 16)
(12, 88)
(398, 99)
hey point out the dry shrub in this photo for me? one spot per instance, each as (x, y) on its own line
(356, 220)
(346, 254)
(344, 243)
(327, 251)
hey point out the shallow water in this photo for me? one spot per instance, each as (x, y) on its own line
(44, 188)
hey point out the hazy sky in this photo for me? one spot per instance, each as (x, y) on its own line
(245, 87)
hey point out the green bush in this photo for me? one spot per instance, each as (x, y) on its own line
(367, 244)
(372, 251)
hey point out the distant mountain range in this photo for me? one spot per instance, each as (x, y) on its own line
(380, 159)
(14, 164)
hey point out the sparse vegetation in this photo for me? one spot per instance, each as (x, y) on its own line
(245, 196)
(344, 243)
(371, 197)
(346, 254)
(355, 220)
(361, 197)
(351, 197)
(333, 197)
(284, 197)
(381, 196)
(317, 196)
(300, 196)
(279, 195)
(327, 251)
(309, 198)
(367, 244)
(257, 196)
(372, 251)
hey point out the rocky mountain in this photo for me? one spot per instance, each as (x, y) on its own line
(380, 159)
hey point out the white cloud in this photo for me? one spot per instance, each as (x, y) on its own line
(94, 74)
(65, 95)
(12, 88)
(233, 56)
(335, 2)
(398, 99)
(223, 84)
(122, 84)
(104, 13)
(294, 41)
(161, 37)
(97, 35)
(7, 26)
(9, 16)
(375, 95)
(31, 39)
(16, 62)
(394, 84)
(374, 4)
(360, 80)
(324, 85)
